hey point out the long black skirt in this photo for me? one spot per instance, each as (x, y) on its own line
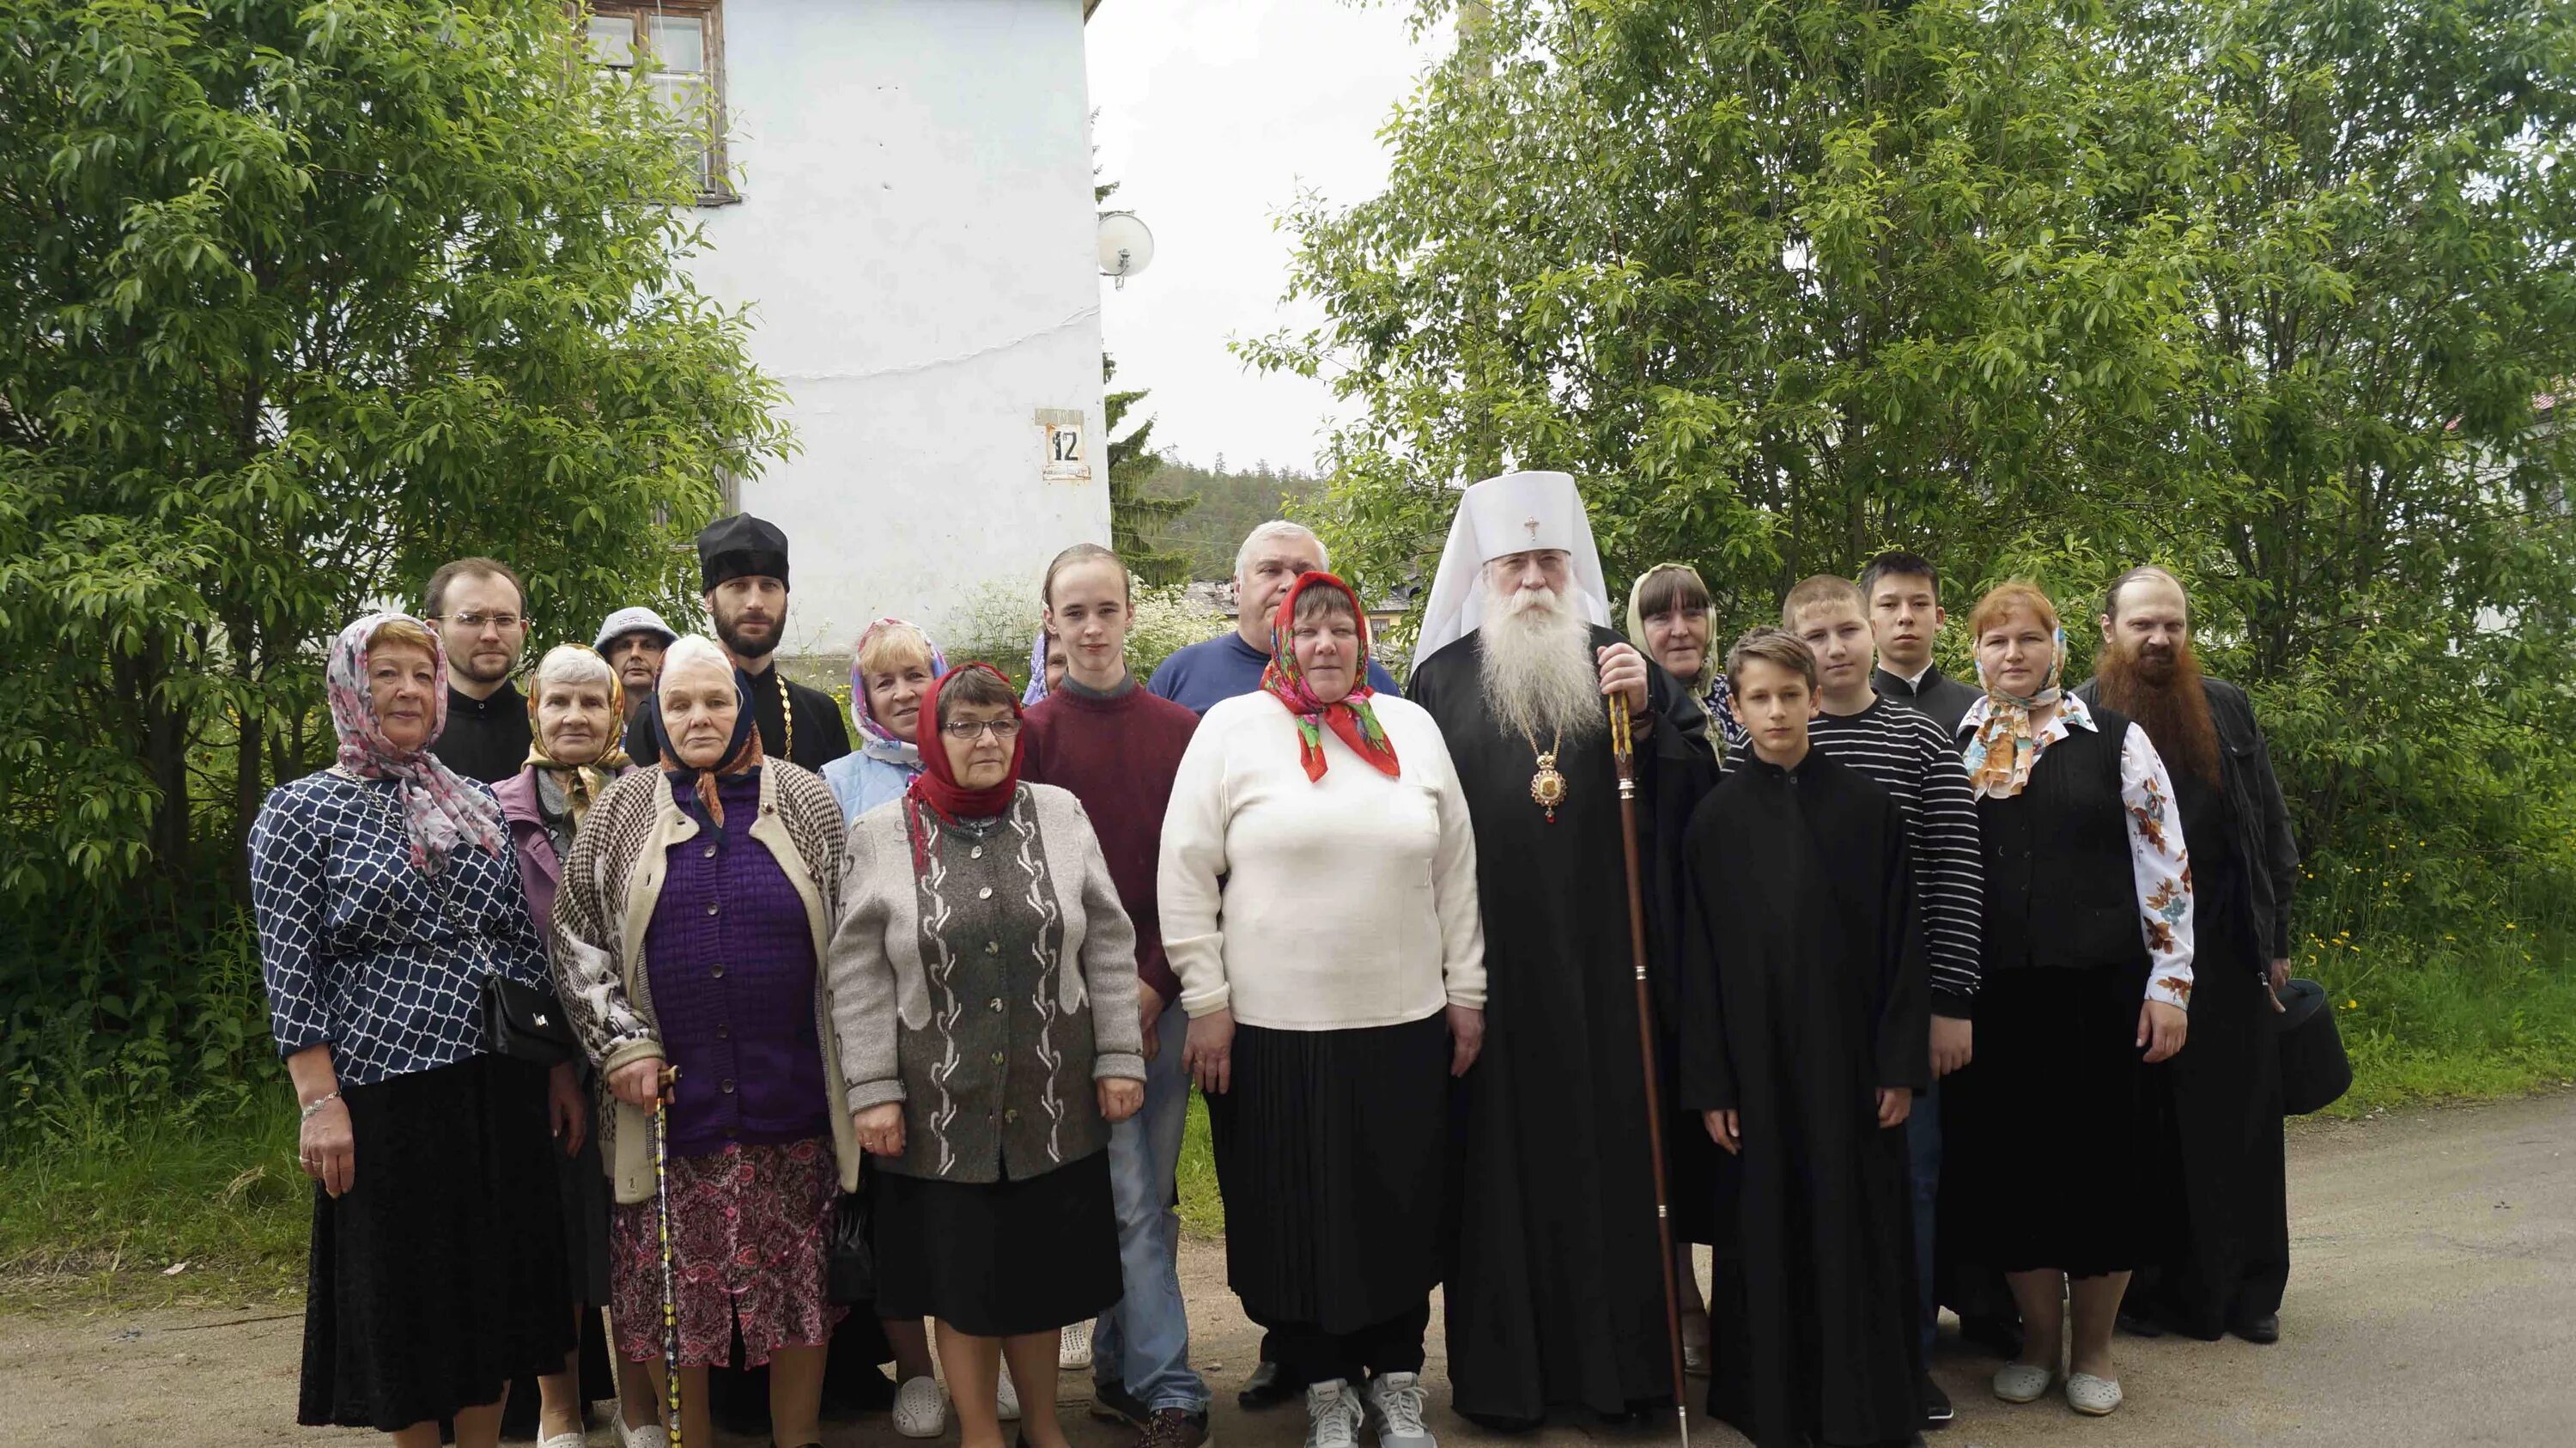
(439, 1275)
(2046, 1143)
(1332, 1150)
(2214, 1121)
(998, 1259)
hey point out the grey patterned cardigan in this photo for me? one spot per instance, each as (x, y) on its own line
(610, 885)
(996, 1078)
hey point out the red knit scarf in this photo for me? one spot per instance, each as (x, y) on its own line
(936, 789)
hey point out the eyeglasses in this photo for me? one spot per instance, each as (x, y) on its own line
(1003, 730)
(502, 621)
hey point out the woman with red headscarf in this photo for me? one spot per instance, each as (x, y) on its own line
(984, 980)
(1318, 888)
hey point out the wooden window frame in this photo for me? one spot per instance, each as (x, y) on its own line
(717, 188)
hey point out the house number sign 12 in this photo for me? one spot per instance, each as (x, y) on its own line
(1066, 459)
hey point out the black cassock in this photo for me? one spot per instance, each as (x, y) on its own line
(1804, 992)
(1554, 1297)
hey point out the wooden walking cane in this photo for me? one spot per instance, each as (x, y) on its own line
(1623, 753)
(670, 1291)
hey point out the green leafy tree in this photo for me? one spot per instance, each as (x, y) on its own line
(1784, 282)
(2273, 292)
(299, 301)
(1139, 519)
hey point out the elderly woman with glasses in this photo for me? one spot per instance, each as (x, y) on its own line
(386, 893)
(985, 976)
(688, 939)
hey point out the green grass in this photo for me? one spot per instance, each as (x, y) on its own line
(97, 1207)
(98, 1202)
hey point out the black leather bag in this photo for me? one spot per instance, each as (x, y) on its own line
(2314, 1070)
(850, 1253)
(525, 1023)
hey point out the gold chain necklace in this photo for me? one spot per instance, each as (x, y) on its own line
(786, 714)
(1547, 787)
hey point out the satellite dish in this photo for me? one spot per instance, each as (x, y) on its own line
(1126, 245)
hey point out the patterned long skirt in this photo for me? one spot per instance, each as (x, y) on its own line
(747, 1231)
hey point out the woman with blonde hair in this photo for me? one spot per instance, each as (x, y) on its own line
(387, 893)
(2088, 953)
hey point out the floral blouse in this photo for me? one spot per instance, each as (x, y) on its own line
(2157, 860)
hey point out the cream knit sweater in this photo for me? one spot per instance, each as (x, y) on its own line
(1331, 904)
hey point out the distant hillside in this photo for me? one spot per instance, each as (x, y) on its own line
(1229, 505)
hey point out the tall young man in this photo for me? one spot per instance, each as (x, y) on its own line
(1914, 760)
(742, 563)
(1903, 595)
(1118, 748)
(1804, 1037)
(1273, 557)
(482, 617)
(2220, 1099)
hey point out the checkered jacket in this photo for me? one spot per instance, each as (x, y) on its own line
(610, 885)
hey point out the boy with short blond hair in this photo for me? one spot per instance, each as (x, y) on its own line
(1804, 1042)
(1911, 758)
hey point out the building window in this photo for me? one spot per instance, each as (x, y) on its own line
(684, 42)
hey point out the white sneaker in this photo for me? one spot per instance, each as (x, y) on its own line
(1073, 1349)
(1395, 1407)
(564, 1440)
(1006, 1399)
(1332, 1415)
(648, 1436)
(920, 1409)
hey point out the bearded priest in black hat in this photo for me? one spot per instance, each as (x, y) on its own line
(742, 563)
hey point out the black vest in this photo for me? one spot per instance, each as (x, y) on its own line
(2059, 884)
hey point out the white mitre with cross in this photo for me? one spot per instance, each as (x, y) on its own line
(1515, 513)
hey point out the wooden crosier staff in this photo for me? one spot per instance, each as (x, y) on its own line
(670, 1292)
(1623, 753)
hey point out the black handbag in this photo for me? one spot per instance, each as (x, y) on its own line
(526, 1023)
(850, 1253)
(2314, 1070)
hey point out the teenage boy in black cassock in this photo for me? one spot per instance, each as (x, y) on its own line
(1805, 1035)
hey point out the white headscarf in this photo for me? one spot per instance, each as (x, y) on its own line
(1498, 517)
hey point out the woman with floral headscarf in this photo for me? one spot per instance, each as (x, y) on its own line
(891, 669)
(2088, 952)
(576, 715)
(387, 892)
(688, 943)
(1319, 904)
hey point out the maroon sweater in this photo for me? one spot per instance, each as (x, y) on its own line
(1118, 754)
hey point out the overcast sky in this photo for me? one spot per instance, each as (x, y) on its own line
(1211, 114)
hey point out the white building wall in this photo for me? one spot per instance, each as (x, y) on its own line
(915, 239)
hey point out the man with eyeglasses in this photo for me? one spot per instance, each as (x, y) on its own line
(482, 617)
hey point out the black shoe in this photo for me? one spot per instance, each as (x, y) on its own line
(2138, 1324)
(2000, 1334)
(1268, 1388)
(1112, 1403)
(1937, 1411)
(2265, 1329)
(1175, 1428)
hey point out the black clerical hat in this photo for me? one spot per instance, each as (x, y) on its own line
(741, 546)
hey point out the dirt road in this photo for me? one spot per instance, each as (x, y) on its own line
(2433, 1301)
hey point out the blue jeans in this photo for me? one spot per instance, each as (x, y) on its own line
(1144, 1341)
(1923, 1146)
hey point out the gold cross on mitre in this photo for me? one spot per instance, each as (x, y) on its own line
(1532, 526)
